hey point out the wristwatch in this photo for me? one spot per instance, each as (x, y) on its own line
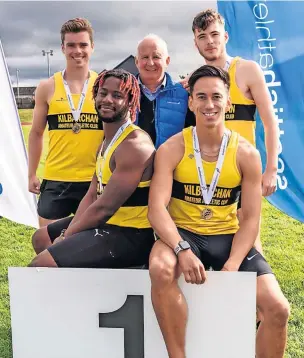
(62, 234)
(182, 245)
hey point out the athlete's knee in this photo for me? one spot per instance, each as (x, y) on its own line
(41, 240)
(278, 311)
(44, 259)
(162, 270)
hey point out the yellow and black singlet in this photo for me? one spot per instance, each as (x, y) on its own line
(134, 212)
(241, 116)
(71, 157)
(187, 207)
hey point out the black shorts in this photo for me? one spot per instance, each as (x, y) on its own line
(108, 246)
(240, 202)
(59, 199)
(214, 251)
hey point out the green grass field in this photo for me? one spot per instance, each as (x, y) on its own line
(283, 240)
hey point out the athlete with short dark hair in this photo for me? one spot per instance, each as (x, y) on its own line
(198, 175)
(110, 228)
(248, 92)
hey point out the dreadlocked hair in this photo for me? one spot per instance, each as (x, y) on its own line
(128, 84)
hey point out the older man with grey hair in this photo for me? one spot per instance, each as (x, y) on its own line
(164, 104)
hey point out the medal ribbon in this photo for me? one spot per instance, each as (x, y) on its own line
(75, 112)
(114, 139)
(228, 62)
(208, 194)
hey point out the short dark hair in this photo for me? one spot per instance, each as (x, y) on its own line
(128, 83)
(209, 71)
(204, 18)
(76, 25)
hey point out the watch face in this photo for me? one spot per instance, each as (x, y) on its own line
(184, 245)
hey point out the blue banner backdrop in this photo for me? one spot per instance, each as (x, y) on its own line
(272, 34)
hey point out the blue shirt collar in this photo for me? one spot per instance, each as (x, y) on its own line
(149, 94)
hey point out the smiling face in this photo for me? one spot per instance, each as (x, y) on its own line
(152, 61)
(77, 48)
(111, 103)
(211, 42)
(209, 101)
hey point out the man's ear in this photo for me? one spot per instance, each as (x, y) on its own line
(168, 59)
(226, 37)
(190, 103)
(136, 61)
(228, 105)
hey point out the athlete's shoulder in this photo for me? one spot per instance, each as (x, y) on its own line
(249, 67)
(137, 142)
(140, 136)
(176, 142)
(93, 74)
(171, 152)
(46, 83)
(246, 151)
(45, 89)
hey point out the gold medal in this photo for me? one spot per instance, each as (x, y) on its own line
(76, 128)
(207, 214)
(99, 188)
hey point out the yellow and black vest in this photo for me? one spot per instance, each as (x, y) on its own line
(134, 212)
(71, 157)
(187, 207)
(241, 116)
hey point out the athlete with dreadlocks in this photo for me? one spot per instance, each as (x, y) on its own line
(110, 228)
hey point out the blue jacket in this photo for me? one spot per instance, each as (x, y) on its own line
(170, 110)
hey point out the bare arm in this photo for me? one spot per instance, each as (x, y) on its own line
(35, 143)
(261, 96)
(132, 157)
(167, 157)
(251, 169)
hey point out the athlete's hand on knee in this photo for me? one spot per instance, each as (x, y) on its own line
(34, 185)
(192, 267)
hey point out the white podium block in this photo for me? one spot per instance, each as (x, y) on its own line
(94, 313)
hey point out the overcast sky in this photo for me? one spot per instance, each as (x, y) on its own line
(27, 28)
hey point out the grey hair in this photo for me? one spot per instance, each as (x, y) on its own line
(156, 38)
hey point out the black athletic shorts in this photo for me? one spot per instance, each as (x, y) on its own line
(240, 202)
(214, 251)
(59, 199)
(108, 246)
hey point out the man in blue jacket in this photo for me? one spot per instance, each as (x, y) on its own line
(164, 104)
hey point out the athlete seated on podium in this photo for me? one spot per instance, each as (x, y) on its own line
(110, 228)
(198, 175)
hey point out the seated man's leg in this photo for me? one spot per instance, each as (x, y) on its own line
(274, 307)
(44, 237)
(107, 247)
(271, 303)
(56, 201)
(168, 301)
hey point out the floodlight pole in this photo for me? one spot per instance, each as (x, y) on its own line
(47, 54)
(17, 75)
